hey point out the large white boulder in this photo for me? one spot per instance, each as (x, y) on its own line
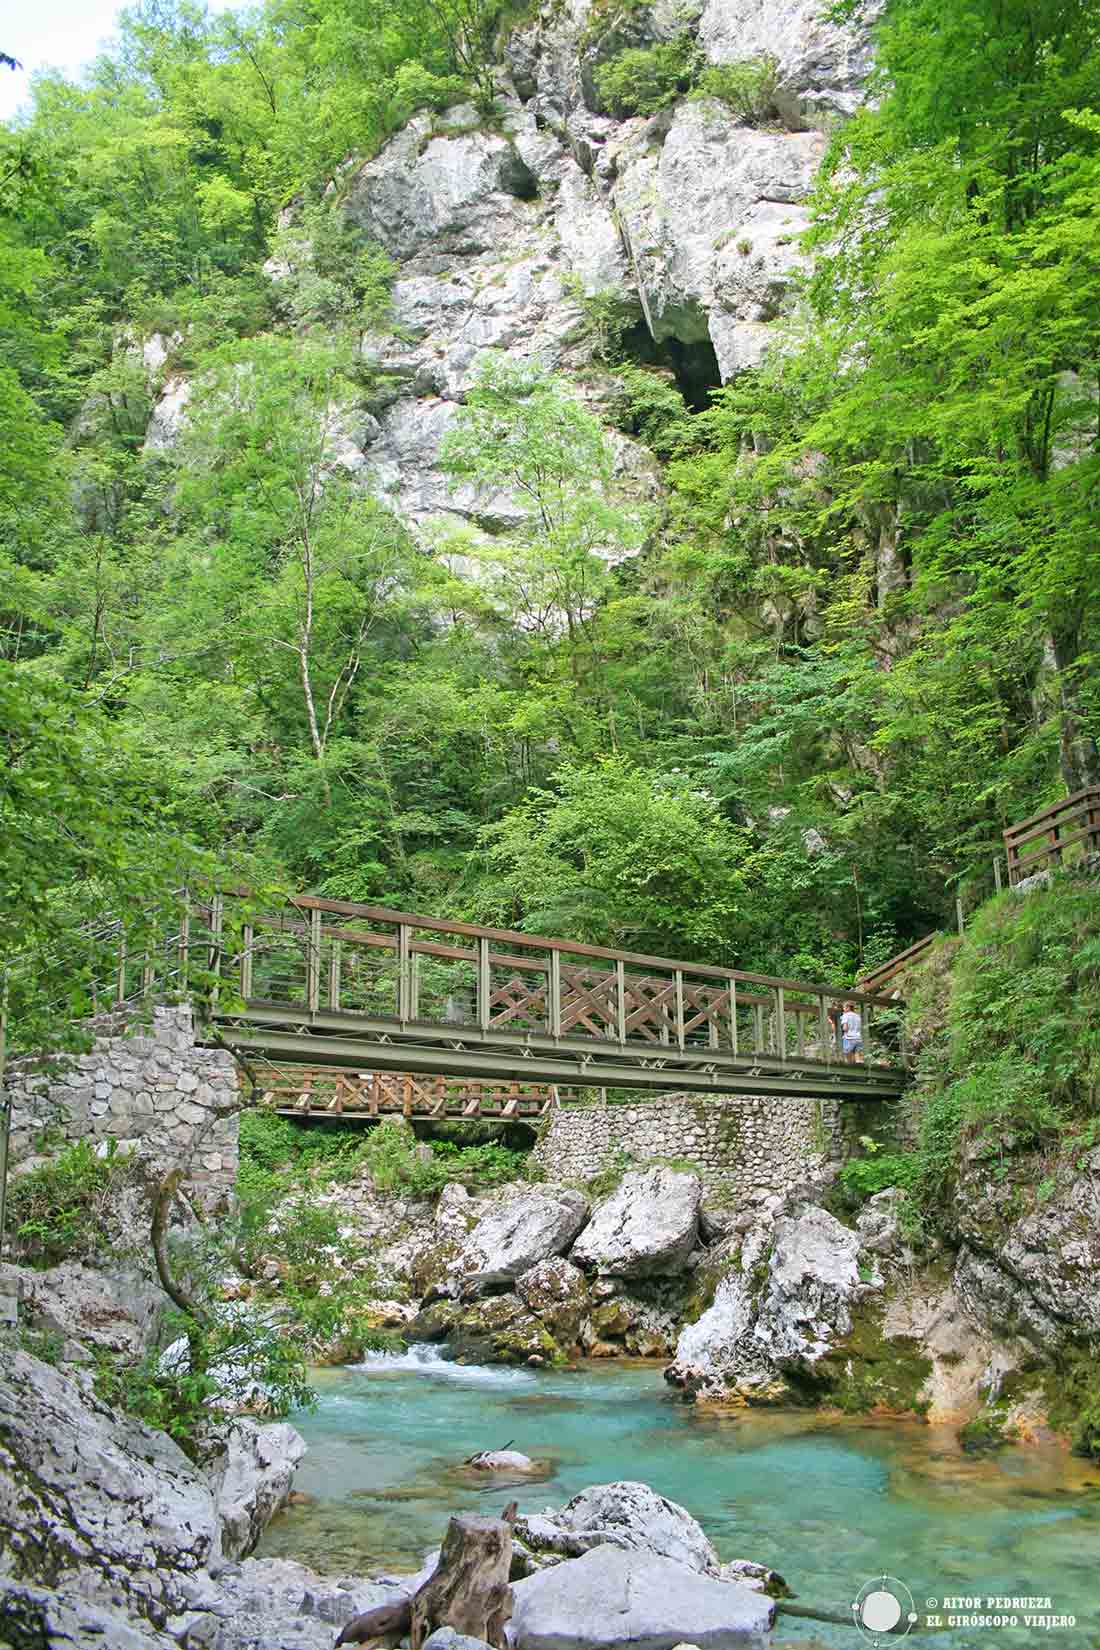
(822, 66)
(633, 1516)
(251, 1480)
(813, 1280)
(611, 1598)
(647, 1228)
(66, 1621)
(513, 1237)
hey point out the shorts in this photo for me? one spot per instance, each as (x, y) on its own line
(852, 1045)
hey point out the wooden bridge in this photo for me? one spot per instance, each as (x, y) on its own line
(330, 1092)
(321, 983)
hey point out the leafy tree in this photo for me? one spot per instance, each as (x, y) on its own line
(619, 857)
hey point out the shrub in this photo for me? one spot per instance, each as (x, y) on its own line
(748, 87)
(648, 406)
(644, 79)
(58, 1210)
(864, 1176)
(236, 1360)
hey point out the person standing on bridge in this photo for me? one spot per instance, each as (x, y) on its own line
(851, 1033)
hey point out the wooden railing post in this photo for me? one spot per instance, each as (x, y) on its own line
(217, 919)
(620, 999)
(313, 962)
(554, 1004)
(403, 981)
(824, 1030)
(733, 1014)
(680, 1008)
(781, 1022)
(484, 984)
(120, 988)
(334, 962)
(248, 940)
(185, 939)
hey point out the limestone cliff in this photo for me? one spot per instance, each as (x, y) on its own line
(686, 223)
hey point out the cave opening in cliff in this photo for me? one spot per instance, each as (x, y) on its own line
(694, 366)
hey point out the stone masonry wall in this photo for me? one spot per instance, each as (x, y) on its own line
(744, 1145)
(144, 1084)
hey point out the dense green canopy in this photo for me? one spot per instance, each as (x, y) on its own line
(779, 722)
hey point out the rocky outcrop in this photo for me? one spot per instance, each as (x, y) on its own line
(799, 1315)
(612, 1597)
(539, 1223)
(112, 1311)
(95, 1501)
(649, 1227)
(251, 1480)
(1025, 1268)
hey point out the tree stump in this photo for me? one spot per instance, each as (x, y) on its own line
(469, 1591)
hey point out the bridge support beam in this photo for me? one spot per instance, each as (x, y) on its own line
(708, 1072)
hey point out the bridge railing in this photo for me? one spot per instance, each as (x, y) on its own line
(340, 958)
(1045, 838)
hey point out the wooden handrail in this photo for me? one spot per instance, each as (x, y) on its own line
(1050, 823)
(576, 948)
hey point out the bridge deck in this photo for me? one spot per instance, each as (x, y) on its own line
(333, 983)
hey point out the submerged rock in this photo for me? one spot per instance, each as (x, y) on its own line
(649, 1227)
(503, 1460)
(611, 1597)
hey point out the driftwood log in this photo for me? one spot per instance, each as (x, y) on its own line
(468, 1590)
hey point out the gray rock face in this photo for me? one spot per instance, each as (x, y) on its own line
(610, 1597)
(94, 1501)
(118, 1314)
(712, 220)
(39, 1616)
(647, 1228)
(252, 1480)
(822, 66)
(446, 189)
(1035, 1276)
(633, 1516)
(511, 1239)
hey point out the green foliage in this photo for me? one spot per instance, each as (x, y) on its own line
(644, 79)
(747, 87)
(618, 856)
(246, 1360)
(649, 406)
(862, 1177)
(985, 1433)
(56, 1211)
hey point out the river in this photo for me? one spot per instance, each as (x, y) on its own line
(831, 1503)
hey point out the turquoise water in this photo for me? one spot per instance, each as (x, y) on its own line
(828, 1503)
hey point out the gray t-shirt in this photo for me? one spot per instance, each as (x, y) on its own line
(850, 1024)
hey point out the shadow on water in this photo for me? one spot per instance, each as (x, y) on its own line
(830, 1502)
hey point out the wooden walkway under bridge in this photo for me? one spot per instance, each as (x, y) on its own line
(363, 1095)
(330, 983)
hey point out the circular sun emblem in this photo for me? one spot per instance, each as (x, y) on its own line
(884, 1609)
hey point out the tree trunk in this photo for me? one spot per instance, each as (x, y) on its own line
(469, 1591)
(1080, 757)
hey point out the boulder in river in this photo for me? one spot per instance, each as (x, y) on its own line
(251, 1480)
(625, 1514)
(610, 1597)
(648, 1227)
(515, 1236)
